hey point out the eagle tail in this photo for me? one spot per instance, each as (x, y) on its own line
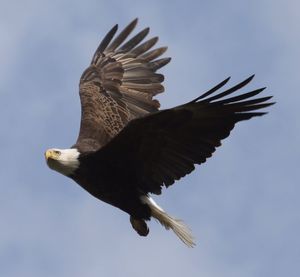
(178, 227)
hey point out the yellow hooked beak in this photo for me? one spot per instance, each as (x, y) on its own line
(48, 154)
(51, 154)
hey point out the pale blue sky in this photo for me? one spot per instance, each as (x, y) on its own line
(242, 205)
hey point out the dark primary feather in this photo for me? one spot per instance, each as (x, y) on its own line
(163, 147)
(119, 85)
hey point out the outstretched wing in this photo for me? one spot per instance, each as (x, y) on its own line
(163, 147)
(118, 86)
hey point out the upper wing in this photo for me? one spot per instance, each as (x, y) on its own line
(118, 86)
(163, 147)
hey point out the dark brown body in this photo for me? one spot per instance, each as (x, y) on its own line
(111, 184)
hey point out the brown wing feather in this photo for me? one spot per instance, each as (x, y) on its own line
(163, 147)
(118, 86)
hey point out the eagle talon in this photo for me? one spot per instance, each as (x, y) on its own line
(140, 226)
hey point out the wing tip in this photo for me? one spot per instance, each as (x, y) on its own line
(134, 22)
(212, 90)
(114, 29)
(251, 77)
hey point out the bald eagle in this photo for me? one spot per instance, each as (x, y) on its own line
(127, 148)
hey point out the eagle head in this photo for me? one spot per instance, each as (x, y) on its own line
(64, 161)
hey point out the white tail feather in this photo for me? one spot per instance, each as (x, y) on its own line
(177, 225)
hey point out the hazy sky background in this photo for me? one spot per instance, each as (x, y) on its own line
(242, 205)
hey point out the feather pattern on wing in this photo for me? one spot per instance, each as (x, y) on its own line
(119, 85)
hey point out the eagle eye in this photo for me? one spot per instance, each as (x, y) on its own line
(57, 152)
